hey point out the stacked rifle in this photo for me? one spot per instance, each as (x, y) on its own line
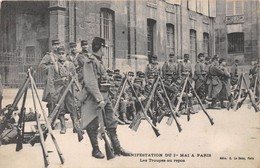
(239, 98)
(42, 130)
(151, 115)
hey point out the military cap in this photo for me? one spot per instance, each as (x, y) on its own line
(236, 61)
(221, 60)
(215, 57)
(117, 71)
(168, 74)
(72, 44)
(150, 76)
(83, 42)
(97, 43)
(207, 58)
(138, 72)
(171, 55)
(136, 80)
(130, 73)
(201, 55)
(61, 48)
(186, 55)
(141, 75)
(154, 57)
(109, 72)
(54, 42)
(117, 77)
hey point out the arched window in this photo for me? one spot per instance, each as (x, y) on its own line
(107, 32)
(170, 38)
(235, 43)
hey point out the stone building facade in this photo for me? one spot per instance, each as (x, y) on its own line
(134, 29)
(238, 31)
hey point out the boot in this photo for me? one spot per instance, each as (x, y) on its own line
(124, 119)
(116, 144)
(92, 134)
(222, 105)
(62, 125)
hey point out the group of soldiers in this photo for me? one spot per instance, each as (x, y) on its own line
(100, 87)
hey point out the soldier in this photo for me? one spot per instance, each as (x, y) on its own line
(72, 56)
(170, 66)
(153, 67)
(59, 80)
(215, 84)
(185, 66)
(234, 73)
(200, 77)
(49, 60)
(93, 69)
(82, 58)
(225, 91)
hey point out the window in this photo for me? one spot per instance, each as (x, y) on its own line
(193, 46)
(206, 44)
(235, 43)
(30, 54)
(150, 37)
(234, 7)
(107, 32)
(170, 39)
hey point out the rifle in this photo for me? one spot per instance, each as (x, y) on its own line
(103, 133)
(76, 122)
(203, 108)
(121, 90)
(170, 106)
(170, 119)
(134, 125)
(20, 126)
(239, 92)
(13, 107)
(49, 130)
(251, 97)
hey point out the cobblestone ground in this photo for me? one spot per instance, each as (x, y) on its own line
(233, 141)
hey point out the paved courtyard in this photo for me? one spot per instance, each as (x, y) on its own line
(233, 141)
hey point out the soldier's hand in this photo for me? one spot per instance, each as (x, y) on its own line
(101, 104)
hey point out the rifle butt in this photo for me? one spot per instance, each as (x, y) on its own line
(157, 133)
(109, 149)
(211, 121)
(80, 136)
(135, 124)
(19, 145)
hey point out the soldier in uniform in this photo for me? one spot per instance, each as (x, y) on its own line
(72, 56)
(59, 80)
(225, 91)
(153, 67)
(185, 66)
(49, 60)
(215, 84)
(200, 77)
(234, 73)
(81, 59)
(170, 66)
(93, 69)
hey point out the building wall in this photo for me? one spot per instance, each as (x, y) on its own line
(247, 25)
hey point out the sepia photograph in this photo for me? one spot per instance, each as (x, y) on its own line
(130, 83)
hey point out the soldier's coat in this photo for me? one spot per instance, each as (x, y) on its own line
(92, 70)
(215, 84)
(45, 65)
